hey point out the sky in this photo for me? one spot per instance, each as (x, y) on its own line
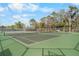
(13, 12)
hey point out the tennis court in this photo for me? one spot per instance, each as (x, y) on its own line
(31, 37)
(39, 44)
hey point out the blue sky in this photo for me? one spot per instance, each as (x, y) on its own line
(11, 12)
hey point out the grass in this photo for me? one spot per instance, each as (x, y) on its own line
(62, 44)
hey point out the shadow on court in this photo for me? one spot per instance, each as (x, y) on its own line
(6, 52)
(25, 52)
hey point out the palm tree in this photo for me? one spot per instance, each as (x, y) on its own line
(72, 13)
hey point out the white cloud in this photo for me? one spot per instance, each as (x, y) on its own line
(46, 9)
(23, 18)
(27, 15)
(21, 7)
(16, 17)
(2, 15)
(29, 7)
(2, 9)
(75, 4)
(16, 6)
(33, 7)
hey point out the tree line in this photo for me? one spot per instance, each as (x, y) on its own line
(63, 20)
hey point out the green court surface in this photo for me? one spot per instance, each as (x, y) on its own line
(46, 44)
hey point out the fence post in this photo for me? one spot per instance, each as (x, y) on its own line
(2, 48)
(4, 33)
(49, 53)
(42, 51)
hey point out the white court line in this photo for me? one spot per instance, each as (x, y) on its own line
(19, 41)
(29, 39)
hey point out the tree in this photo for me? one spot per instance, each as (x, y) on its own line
(66, 23)
(48, 22)
(58, 18)
(64, 19)
(33, 24)
(12, 27)
(19, 25)
(72, 13)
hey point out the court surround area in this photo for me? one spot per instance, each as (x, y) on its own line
(37, 44)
